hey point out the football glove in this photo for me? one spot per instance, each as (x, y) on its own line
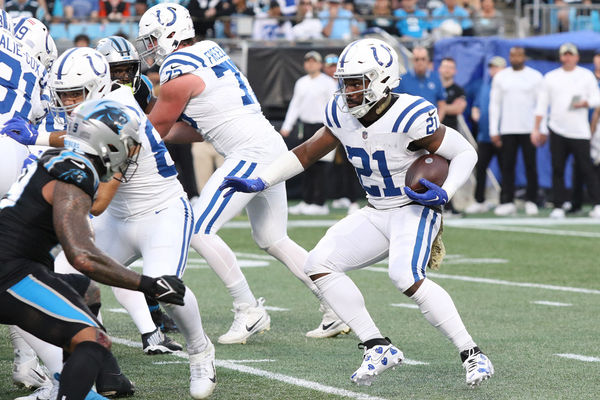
(434, 196)
(241, 185)
(166, 288)
(20, 130)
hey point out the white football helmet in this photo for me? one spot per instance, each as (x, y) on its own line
(34, 35)
(161, 29)
(108, 130)
(119, 51)
(81, 73)
(373, 61)
(6, 22)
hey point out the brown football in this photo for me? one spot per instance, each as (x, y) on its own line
(432, 167)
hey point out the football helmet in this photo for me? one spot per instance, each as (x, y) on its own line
(34, 35)
(373, 61)
(105, 129)
(120, 52)
(80, 73)
(6, 22)
(161, 29)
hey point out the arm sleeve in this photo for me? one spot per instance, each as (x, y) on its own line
(73, 168)
(462, 158)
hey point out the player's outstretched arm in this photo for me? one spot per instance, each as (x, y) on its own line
(71, 206)
(289, 164)
(25, 133)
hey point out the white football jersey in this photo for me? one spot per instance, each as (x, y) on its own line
(380, 152)
(23, 80)
(226, 113)
(155, 181)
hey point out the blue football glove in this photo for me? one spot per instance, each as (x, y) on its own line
(20, 130)
(434, 196)
(241, 185)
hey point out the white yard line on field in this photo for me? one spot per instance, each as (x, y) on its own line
(552, 303)
(231, 364)
(579, 357)
(498, 282)
(404, 305)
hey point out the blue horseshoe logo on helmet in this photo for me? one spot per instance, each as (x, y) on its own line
(168, 23)
(94, 68)
(377, 58)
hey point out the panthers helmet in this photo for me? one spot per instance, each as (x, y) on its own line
(80, 70)
(34, 35)
(105, 129)
(119, 51)
(6, 22)
(373, 61)
(161, 29)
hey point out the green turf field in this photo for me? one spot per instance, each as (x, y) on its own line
(528, 292)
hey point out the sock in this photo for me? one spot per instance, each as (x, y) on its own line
(222, 260)
(374, 342)
(348, 303)
(241, 293)
(23, 351)
(189, 322)
(51, 356)
(80, 371)
(294, 257)
(135, 304)
(437, 307)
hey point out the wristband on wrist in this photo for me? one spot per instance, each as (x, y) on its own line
(43, 139)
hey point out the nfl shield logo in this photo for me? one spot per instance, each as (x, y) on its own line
(365, 135)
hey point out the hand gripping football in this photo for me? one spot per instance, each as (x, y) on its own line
(432, 167)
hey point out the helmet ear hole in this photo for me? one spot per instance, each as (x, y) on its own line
(112, 148)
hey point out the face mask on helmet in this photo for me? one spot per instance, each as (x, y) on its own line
(123, 59)
(108, 131)
(369, 67)
(79, 74)
(161, 29)
(34, 35)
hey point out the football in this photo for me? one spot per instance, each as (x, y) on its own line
(432, 167)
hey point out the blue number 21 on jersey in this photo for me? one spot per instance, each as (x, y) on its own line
(379, 156)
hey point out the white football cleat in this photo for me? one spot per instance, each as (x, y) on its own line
(477, 208)
(203, 376)
(247, 321)
(28, 373)
(46, 392)
(298, 208)
(557, 213)
(506, 209)
(531, 208)
(595, 212)
(376, 360)
(330, 326)
(478, 367)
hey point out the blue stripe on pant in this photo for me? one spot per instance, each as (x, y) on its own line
(42, 297)
(419, 244)
(215, 197)
(187, 235)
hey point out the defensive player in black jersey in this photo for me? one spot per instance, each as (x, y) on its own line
(50, 205)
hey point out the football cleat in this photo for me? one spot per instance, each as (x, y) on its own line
(156, 342)
(376, 360)
(246, 322)
(330, 326)
(46, 392)
(478, 366)
(28, 373)
(203, 375)
(114, 385)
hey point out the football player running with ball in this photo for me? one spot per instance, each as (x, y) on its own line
(383, 133)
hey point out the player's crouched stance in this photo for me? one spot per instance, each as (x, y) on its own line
(49, 205)
(383, 134)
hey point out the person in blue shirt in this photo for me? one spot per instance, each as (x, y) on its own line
(450, 10)
(423, 81)
(485, 149)
(338, 23)
(413, 21)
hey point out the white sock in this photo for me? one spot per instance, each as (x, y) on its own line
(222, 260)
(294, 257)
(241, 293)
(22, 350)
(348, 303)
(135, 304)
(437, 307)
(51, 356)
(189, 322)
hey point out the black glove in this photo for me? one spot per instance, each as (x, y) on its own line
(167, 288)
